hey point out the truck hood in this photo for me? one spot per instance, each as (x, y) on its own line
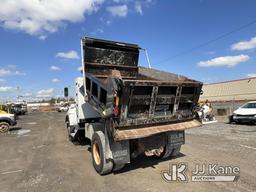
(244, 111)
(7, 115)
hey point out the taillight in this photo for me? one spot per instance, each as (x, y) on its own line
(116, 108)
(117, 100)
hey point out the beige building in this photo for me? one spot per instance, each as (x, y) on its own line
(237, 90)
(227, 96)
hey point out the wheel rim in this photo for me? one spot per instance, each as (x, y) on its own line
(96, 153)
(3, 128)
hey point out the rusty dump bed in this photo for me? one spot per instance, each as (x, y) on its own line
(138, 101)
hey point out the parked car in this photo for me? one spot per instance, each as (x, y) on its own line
(6, 120)
(244, 114)
(62, 109)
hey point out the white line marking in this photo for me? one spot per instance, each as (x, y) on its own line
(7, 172)
(249, 147)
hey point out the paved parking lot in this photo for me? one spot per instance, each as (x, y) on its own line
(37, 156)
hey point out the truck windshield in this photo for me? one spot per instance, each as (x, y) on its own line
(249, 105)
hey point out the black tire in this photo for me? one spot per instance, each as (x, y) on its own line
(176, 151)
(169, 152)
(4, 127)
(69, 130)
(165, 154)
(98, 150)
(231, 120)
(118, 167)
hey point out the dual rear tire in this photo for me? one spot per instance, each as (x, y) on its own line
(170, 152)
(103, 165)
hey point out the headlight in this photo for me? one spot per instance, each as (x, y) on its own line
(255, 116)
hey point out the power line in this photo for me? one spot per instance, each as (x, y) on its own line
(208, 42)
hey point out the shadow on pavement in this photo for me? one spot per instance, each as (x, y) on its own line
(144, 162)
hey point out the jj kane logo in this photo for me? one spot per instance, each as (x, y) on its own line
(201, 173)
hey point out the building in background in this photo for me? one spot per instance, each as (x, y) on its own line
(227, 96)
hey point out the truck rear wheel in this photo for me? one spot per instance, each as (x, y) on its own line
(98, 149)
(4, 127)
(170, 152)
(176, 151)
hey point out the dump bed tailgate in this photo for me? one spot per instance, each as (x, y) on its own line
(151, 102)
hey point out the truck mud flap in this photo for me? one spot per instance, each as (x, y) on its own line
(148, 131)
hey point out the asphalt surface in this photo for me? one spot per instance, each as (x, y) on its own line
(37, 156)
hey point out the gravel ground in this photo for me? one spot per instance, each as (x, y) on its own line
(37, 156)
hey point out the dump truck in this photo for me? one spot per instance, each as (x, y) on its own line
(126, 110)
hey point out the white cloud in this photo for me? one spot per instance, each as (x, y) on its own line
(45, 93)
(27, 94)
(9, 70)
(119, 10)
(138, 8)
(55, 68)
(68, 55)
(55, 80)
(227, 61)
(245, 45)
(251, 75)
(37, 17)
(6, 89)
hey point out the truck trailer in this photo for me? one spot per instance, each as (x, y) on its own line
(126, 110)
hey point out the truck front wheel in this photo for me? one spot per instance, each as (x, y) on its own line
(98, 149)
(4, 127)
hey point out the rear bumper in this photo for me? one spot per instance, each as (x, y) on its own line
(149, 131)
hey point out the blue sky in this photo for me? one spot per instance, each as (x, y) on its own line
(40, 40)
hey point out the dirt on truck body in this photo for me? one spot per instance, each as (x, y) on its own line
(127, 110)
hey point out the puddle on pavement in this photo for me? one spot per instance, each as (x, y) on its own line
(32, 123)
(18, 131)
(22, 132)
